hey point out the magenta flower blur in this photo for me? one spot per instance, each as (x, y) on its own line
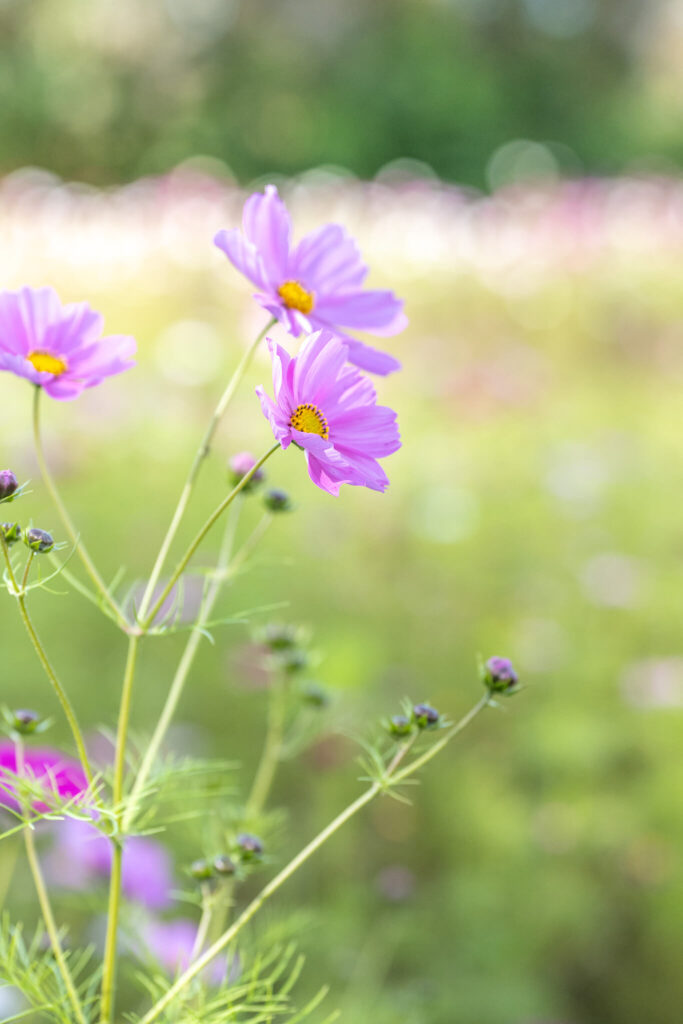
(57, 775)
(58, 347)
(81, 854)
(171, 943)
(330, 410)
(317, 283)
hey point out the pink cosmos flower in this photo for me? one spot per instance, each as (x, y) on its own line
(58, 347)
(172, 943)
(317, 283)
(56, 774)
(81, 854)
(330, 410)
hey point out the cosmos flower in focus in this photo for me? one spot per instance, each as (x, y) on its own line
(59, 776)
(330, 410)
(58, 347)
(315, 284)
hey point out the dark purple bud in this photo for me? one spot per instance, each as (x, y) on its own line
(293, 660)
(25, 722)
(314, 695)
(240, 465)
(8, 484)
(425, 716)
(250, 847)
(279, 636)
(400, 726)
(223, 865)
(500, 676)
(201, 870)
(39, 541)
(11, 532)
(277, 501)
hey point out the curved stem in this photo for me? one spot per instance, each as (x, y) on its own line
(46, 908)
(109, 965)
(390, 778)
(215, 515)
(180, 677)
(199, 458)
(87, 561)
(69, 712)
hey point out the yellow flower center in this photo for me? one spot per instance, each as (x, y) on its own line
(44, 362)
(296, 297)
(309, 419)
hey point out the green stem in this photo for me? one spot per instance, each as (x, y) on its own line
(200, 456)
(20, 595)
(390, 778)
(87, 561)
(182, 672)
(109, 966)
(272, 748)
(46, 909)
(215, 515)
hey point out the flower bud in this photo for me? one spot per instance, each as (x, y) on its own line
(499, 675)
(293, 660)
(279, 636)
(314, 695)
(250, 847)
(11, 532)
(25, 722)
(240, 465)
(399, 726)
(425, 716)
(8, 484)
(39, 541)
(277, 501)
(223, 865)
(201, 870)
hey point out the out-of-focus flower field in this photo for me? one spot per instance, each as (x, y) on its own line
(534, 512)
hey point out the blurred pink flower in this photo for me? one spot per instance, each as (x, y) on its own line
(60, 348)
(81, 854)
(57, 775)
(330, 410)
(318, 283)
(172, 944)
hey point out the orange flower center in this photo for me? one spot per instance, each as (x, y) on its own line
(45, 362)
(309, 420)
(296, 297)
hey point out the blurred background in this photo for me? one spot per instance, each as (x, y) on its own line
(512, 169)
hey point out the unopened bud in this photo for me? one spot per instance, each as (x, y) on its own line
(277, 501)
(240, 465)
(250, 847)
(8, 484)
(279, 636)
(223, 865)
(399, 725)
(425, 716)
(25, 722)
(293, 660)
(315, 695)
(201, 870)
(39, 541)
(499, 675)
(11, 532)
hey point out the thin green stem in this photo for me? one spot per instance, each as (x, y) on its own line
(109, 965)
(200, 456)
(20, 594)
(390, 778)
(209, 599)
(272, 749)
(87, 561)
(215, 515)
(46, 908)
(448, 735)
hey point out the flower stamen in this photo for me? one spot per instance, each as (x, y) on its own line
(45, 362)
(309, 420)
(295, 296)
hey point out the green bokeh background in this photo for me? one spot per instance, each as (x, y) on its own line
(534, 509)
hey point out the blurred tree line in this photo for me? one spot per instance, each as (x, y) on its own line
(108, 90)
